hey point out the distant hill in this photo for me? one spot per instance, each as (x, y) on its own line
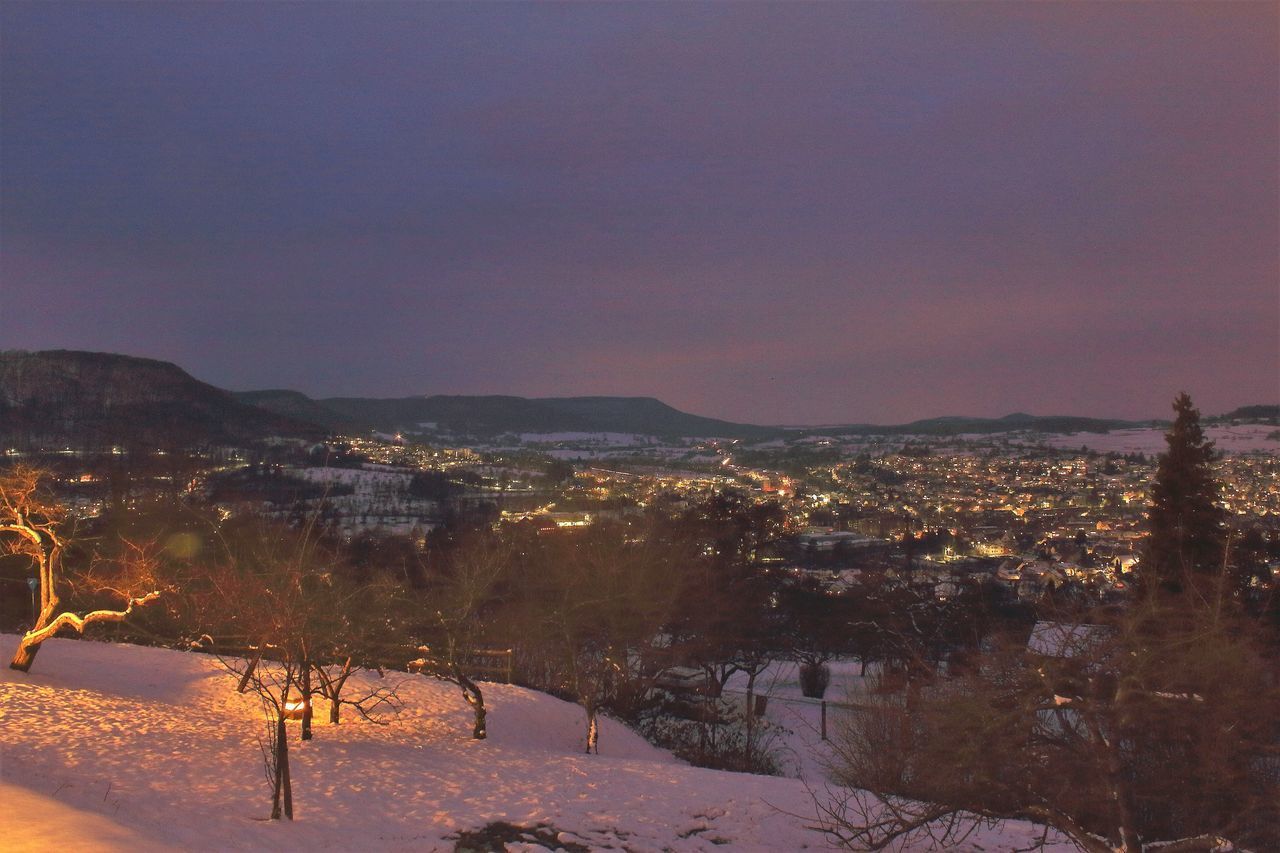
(494, 415)
(1018, 421)
(295, 404)
(88, 400)
(649, 416)
(1255, 414)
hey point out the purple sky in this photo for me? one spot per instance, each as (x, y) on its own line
(772, 213)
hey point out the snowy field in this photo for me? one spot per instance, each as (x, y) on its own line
(111, 747)
(366, 481)
(571, 454)
(1243, 438)
(796, 741)
(609, 439)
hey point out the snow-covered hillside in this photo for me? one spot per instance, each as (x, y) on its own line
(1240, 438)
(112, 747)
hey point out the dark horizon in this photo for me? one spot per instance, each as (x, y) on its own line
(766, 213)
(867, 422)
(1165, 416)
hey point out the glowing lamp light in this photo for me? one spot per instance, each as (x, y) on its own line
(293, 709)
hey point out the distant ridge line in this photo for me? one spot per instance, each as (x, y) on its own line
(47, 396)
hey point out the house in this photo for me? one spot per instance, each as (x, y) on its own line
(1067, 639)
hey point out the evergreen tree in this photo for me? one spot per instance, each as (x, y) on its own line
(1185, 521)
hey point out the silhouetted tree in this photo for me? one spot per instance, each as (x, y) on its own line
(1185, 521)
(818, 627)
(1112, 735)
(597, 607)
(462, 593)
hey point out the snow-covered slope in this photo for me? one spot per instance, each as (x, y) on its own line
(112, 747)
(1240, 438)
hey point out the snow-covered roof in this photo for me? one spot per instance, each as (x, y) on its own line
(1066, 639)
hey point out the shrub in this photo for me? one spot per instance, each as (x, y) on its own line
(814, 679)
(719, 741)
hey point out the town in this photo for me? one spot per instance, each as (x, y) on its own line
(766, 606)
(629, 426)
(1022, 510)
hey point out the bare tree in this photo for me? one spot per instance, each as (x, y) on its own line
(30, 526)
(255, 601)
(339, 622)
(598, 609)
(727, 623)
(1157, 721)
(346, 622)
(464, 582)
(276, 684)
(372, 704)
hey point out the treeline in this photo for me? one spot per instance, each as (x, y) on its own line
(1148, 724)
(1118, 725)
(596, 616)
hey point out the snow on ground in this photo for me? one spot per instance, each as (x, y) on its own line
(363, 480)
(112, 747)
(1241, 438)
(618, 453)
(573, 455)
(37, 823)
(1238, 438)
(614, 439)
(797, 739)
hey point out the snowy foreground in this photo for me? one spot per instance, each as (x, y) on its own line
(113, 747)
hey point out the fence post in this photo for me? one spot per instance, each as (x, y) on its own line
(824, 719)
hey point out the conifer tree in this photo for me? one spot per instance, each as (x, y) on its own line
(1185, 521)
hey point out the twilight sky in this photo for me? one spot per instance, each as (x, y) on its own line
(783, 213)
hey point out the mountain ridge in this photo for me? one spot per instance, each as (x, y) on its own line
(500, 413)
(88, 400)
(61, 397)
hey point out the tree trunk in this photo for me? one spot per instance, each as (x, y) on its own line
(306, 700)
(285, 784)
(751, 710)
(277, 786)
(24, 657)
(478, 731)
(593, 730)
(1125, 838)
(475, 699)
(27, 650)
(49, 625)
(336, 690)
(248, 673)
(48, 558)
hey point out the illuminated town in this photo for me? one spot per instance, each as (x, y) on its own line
(1015, 508)
(518, 426)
